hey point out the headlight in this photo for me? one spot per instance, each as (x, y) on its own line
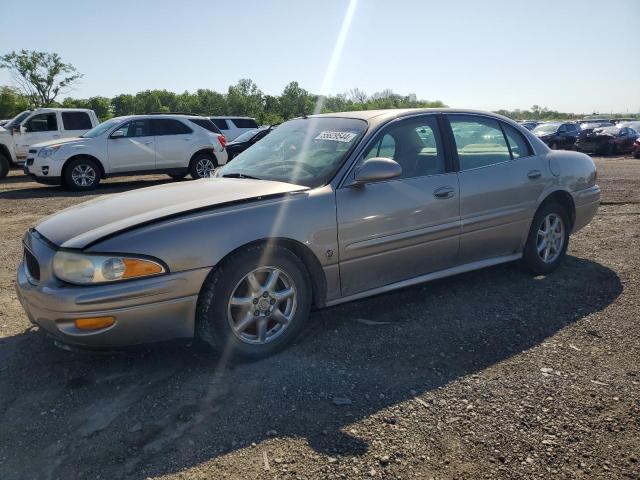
(87, 269)
(48, 151)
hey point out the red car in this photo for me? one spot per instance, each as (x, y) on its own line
(636, 148)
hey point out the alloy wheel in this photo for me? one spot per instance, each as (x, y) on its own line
(262, 305)
(205, 167)
(83, 175)
(550, 238)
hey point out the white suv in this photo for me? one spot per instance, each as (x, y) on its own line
(132, 145)
(232, 127)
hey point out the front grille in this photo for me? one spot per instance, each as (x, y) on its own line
(30, 161)
(33, 267)
(33, 150)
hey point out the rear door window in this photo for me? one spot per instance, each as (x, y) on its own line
(206, 124)
(479, 141)
(169, 126)
(517, 143)
(76, 121)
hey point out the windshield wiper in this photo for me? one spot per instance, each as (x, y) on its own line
(239, 175)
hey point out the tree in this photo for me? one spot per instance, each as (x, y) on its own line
(245, 98)
(41, 76)
(294, 101)
(12, 102)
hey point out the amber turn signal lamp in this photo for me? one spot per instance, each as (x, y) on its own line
(94, 323)
(134, 267)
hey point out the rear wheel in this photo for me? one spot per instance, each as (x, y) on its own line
(4, 166)
(548, 239)
(202, 165)
(81, 174)
(255, 303)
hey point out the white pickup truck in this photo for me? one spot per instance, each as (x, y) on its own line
(37, 126)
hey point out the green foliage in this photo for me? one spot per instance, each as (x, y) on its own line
(41, 76)
(244, 98)
(12, 102)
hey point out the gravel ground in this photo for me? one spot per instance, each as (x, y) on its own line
(491, 374)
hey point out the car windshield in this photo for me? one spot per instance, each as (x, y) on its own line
(304, 151)
(246, 136)
(15, 121)
(548, 128)
(100, 129)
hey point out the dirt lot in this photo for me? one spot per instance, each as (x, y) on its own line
(492, 374)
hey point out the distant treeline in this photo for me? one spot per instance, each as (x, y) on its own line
(245, 98)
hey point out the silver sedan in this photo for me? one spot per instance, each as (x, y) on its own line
(326, 209)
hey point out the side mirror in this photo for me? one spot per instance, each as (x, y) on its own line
(118, 134)
(377, 169)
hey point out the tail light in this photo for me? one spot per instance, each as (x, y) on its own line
(222, 140)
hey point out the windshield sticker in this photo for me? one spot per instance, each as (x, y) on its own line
(345, 137)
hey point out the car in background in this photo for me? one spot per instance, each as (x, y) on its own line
(590, 125)
(4, 121)
(131, 145)
(636, 148)
(40, 125)
(324, 210)
(558, 135)
(233, 127)
(244, 141)
(607, 140)
(635, 124)
(529, 124)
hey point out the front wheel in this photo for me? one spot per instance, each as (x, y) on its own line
(81, 174)
(548, 239)
(255, 303)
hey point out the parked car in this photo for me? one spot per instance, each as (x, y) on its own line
(635, 124)
(529, 124)
(244, 141)
(636, 148)
(590, 126)
(35, 126)
(324, 210)
(4, 121)
(607, 141)
(558, 135)
(174, 144)
(232, 127)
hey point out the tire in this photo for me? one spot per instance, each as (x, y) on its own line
(636, 155)
(4, 166)
(560, 240)
(216, 316)
(177, 176)
(81, 174)
(201, 164)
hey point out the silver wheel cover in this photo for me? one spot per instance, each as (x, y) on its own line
(550, 238)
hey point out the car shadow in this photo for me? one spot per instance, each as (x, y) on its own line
(42, 191)
(158, 411)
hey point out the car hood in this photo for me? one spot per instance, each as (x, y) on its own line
(58, 141)
(84, 224)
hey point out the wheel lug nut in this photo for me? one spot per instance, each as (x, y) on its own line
(265, 294)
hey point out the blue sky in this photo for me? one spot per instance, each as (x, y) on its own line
(575, 56)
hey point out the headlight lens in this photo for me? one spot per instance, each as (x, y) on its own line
(48, 151)
(87, 269)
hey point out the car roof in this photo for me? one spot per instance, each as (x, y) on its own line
(232, 117)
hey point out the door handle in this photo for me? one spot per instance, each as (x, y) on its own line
(443, 192)
(56, 136)
(148, 142)
(533, 174)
